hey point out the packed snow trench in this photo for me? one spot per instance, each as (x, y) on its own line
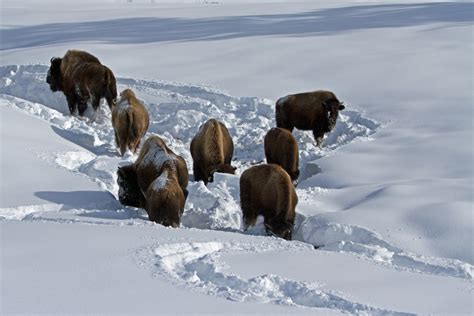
(176, 112)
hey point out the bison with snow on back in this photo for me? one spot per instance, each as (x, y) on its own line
(82, 79)
(130, 121)
(212, 149)
(267, 190)
(281, 148)
(156, 181)
(316, 111)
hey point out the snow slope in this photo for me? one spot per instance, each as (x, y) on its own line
(388, 200)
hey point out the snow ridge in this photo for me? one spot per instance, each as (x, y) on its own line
(365, 243)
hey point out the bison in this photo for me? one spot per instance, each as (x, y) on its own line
(281, 149)
(212, 149)
(82, 78)
(130, 121)
(316, 111)
(156, 181)
(267, 190)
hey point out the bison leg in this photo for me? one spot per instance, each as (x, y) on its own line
(318, 136)
(250, 213)
(72, 103)
(110, 101)
(96, 102)
(198, 176)
(249, 210)
(135, 146)
(123, 148)
(81, 105)
(117, 139)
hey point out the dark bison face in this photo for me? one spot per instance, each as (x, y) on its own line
(279, 229)
(333, 106)
(129, 191)
(53, 77)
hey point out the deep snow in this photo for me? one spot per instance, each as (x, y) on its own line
(388, 200)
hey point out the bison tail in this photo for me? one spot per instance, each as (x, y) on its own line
(132, 133)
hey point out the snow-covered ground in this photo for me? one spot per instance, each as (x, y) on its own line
(388, 200)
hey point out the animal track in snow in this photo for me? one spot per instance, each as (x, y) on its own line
(196, 265)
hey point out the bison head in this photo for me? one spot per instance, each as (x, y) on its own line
(332, 107)
(129, 191)
(162, 210)
(53, 77)
(279, 229)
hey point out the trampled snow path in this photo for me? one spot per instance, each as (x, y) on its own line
(176, 113)
(196, 265)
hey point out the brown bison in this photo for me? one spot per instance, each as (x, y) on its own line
(156, 181)
(212, 149)
(281, 149)
(130, 121)
(316, 111)
(82, 78)
(267, 190)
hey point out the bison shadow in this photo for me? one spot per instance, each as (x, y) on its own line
(86, 141)
(88, 200)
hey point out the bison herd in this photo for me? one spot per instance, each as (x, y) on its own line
(157, 180)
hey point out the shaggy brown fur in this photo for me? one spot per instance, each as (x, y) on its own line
(130, 121)
(164, 198)
(212, 149)
(82, 78)
(267, 190)
(281, 148)
(316, 111)
(156, 181)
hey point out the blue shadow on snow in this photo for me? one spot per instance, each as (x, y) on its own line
(305, 24)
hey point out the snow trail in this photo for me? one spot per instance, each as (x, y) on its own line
(196, 265)
(176, 112)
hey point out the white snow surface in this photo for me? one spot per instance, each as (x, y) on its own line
(384, 221)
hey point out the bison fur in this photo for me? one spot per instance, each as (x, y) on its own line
(82, 79)
(156, 181)
(281, 148)
(267, 190)
(130, 121)
(316, 111)
(212, 149)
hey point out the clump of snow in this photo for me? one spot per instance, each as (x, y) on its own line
(158, 156)
(215, 206)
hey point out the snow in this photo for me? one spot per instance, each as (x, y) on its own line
(387, 201)
(161, 181)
